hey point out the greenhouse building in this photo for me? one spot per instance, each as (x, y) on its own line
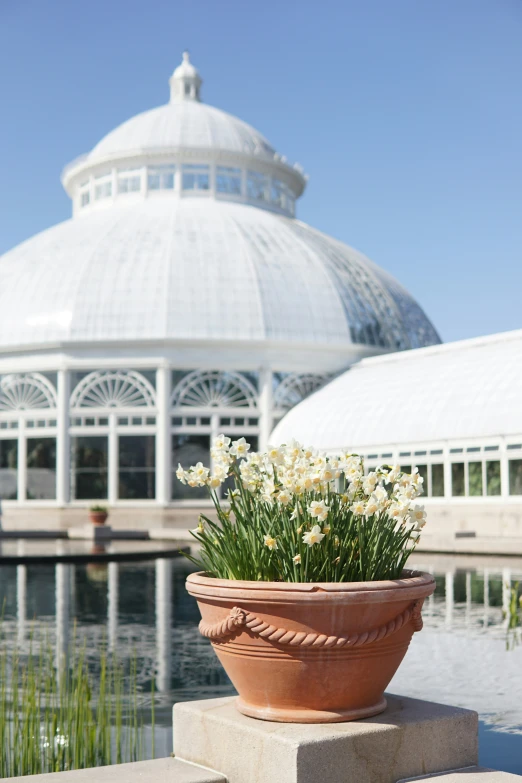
(452, 410)
(183, 298)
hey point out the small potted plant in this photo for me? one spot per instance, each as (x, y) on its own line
(302, 585)
(98, 515)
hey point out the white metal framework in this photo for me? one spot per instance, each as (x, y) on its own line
(116, 389)
(26, 391)
(214, 389)
(116, 435)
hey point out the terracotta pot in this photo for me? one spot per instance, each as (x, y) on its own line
(98, 517)
(310, 653)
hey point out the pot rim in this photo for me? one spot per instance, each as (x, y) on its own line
(418, 581)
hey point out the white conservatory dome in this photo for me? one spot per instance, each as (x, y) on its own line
(182, 124)
(182, 284)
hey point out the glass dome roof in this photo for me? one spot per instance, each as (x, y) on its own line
(200, 269)
(183, 231)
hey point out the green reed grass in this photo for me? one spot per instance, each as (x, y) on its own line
(513, 616)
(61, 718)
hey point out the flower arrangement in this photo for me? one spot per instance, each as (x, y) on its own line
(298, 515)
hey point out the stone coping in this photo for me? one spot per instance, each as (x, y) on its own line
(169, 770)
(469, 775)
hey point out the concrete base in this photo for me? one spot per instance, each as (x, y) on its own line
(410, 738)
(469, 775)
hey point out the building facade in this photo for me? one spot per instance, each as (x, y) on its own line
(182, 299)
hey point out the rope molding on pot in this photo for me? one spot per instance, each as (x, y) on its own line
(238, 617)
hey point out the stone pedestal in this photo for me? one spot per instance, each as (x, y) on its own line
(411, 738)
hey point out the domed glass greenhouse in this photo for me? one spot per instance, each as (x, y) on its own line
(182, 299)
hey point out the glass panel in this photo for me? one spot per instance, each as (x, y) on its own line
(475, 479)
(187, 450)
(103, 190)
(257, 185)
(85, 198)
(196, 177)
(228, 180)
(277, 193)
(9, 469)
(89, 468)
(129, 183)
(137, 467)
(493, 478)
(406, 468)
(457, 479)
(161, 177)
(437, 481)
(515, 476)
(41, 468)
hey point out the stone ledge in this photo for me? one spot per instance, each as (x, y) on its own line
(469, 775)
(167, 770)
(410, 738)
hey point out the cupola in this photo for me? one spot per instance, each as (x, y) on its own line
(185, 82)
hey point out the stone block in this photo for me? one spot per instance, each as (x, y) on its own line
(410, 738)
(167, 770)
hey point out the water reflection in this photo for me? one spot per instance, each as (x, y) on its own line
(143, 609)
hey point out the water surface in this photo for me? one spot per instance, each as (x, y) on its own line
(464, 656)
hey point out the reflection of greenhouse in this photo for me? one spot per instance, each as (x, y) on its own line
(183, 299)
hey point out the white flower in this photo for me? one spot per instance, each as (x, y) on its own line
(268, 487)
(369, 483)
(220, 472)
(314, 536)
(399, 509)
(221, 443)
(295, 513)
(418, 516)
(270, 542)
(284, 497)
(200, 528)
(358, 508)
(380, 495)
(372, 507)
(240, 448)
(297, 559)
(275, 455)
(181, 475)
(214, 482)
(328, 475)
(393, 474)
(318, 509)
(199, 471)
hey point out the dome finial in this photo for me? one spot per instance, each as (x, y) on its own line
(185, 82)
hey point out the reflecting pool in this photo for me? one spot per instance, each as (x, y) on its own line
(466, 655)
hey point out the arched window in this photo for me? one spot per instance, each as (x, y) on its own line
(113, 389)
(214, 389)
(26, 391)
(294, 388)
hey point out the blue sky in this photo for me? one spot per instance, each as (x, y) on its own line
(406, 114)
